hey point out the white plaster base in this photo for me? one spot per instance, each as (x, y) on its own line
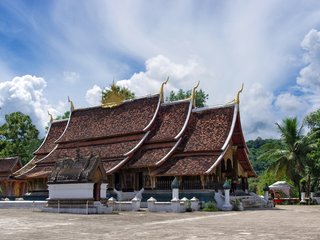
(71, 191)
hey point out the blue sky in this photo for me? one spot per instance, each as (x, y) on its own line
(53, 49)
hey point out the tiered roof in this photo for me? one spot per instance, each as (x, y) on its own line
(8, 166)
(167, 138)
(54, 132)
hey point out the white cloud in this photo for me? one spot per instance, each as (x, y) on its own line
(291, 105)
(71, 77)
(93, 95)
(26, 94)
(158, 68)
(309, 77)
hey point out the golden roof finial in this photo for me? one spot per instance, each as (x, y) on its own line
(193, 94)
(237, 99)
(51, 118)
(161, 90)
(112, 97)
(71, 104)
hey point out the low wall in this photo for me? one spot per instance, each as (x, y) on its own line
(175, 205)
(23, 204)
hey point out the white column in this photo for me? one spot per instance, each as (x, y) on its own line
(175, 205)
(135, 204)
(303, 197)
(103, 190)
(151, 204)
(266, 195)
(175, 193)
(227, 206)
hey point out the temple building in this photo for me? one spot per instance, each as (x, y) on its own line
(10, 187)
(146, 142)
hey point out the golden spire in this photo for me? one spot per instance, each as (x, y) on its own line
(71, 104)
(193, 94)
(237, 99)
(161, 90)
(112, 97)
(51, 118)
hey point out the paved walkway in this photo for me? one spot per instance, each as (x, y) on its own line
(284, 222)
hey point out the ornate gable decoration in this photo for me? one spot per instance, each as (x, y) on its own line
(112, 98)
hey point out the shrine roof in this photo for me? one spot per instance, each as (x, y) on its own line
(149, 157)
(210, 128)
(55, 130)
(132, 116)
(79, 169)
(187, 165)
(104, 151)
(7, 165)
(37, 172)
(171, 120)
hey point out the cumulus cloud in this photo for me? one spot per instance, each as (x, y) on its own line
(158, 68)
(309, 76)
(291, 105)
(71, 77)
(93, 95)
(26, 94)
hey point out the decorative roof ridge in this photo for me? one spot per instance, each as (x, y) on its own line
(146, 128)
(250, 164)
(138, 145)
(213, 107)
(45, 139)
(8, 158)
(176, 102)
(42, 159)
(17, 173)
(186, 121)
(125, 101)
(60, 120)
(21, 175)
(217, 161)
(162, 160)
(118, 165)
(234, 120)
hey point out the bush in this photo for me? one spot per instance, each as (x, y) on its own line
(210, 207)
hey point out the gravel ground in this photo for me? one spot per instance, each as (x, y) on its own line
(283, 222)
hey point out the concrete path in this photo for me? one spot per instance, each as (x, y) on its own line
(284, 222)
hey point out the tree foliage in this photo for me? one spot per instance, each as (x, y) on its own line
(66, 115)
(126, 92)
(18, 137)
(201, 96)
(290, 154)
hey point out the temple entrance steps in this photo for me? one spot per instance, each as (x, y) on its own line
(250, 201)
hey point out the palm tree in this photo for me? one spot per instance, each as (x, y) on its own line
(290, 155)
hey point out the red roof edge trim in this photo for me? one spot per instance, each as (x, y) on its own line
(138, 145)
(17, 173)
(154, 116)
(40, 160)
(234, 119)
(169, 153)
(45, 139)
(117, 166)
(218, 161)
(65, 129)
(185, 123)
(254, 172)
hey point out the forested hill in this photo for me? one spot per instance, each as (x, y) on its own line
(255, 150)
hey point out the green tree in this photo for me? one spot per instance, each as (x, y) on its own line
(18, 137)
(126, 92)
(289, 156)
(313, 161)
(201, 96)
(66, 115)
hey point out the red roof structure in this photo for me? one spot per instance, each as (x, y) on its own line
(147, 135)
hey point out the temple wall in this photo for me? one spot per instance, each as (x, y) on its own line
(71, 191)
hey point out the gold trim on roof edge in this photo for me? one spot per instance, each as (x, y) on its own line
(193, 94)
(161, 90)
(71, 104)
